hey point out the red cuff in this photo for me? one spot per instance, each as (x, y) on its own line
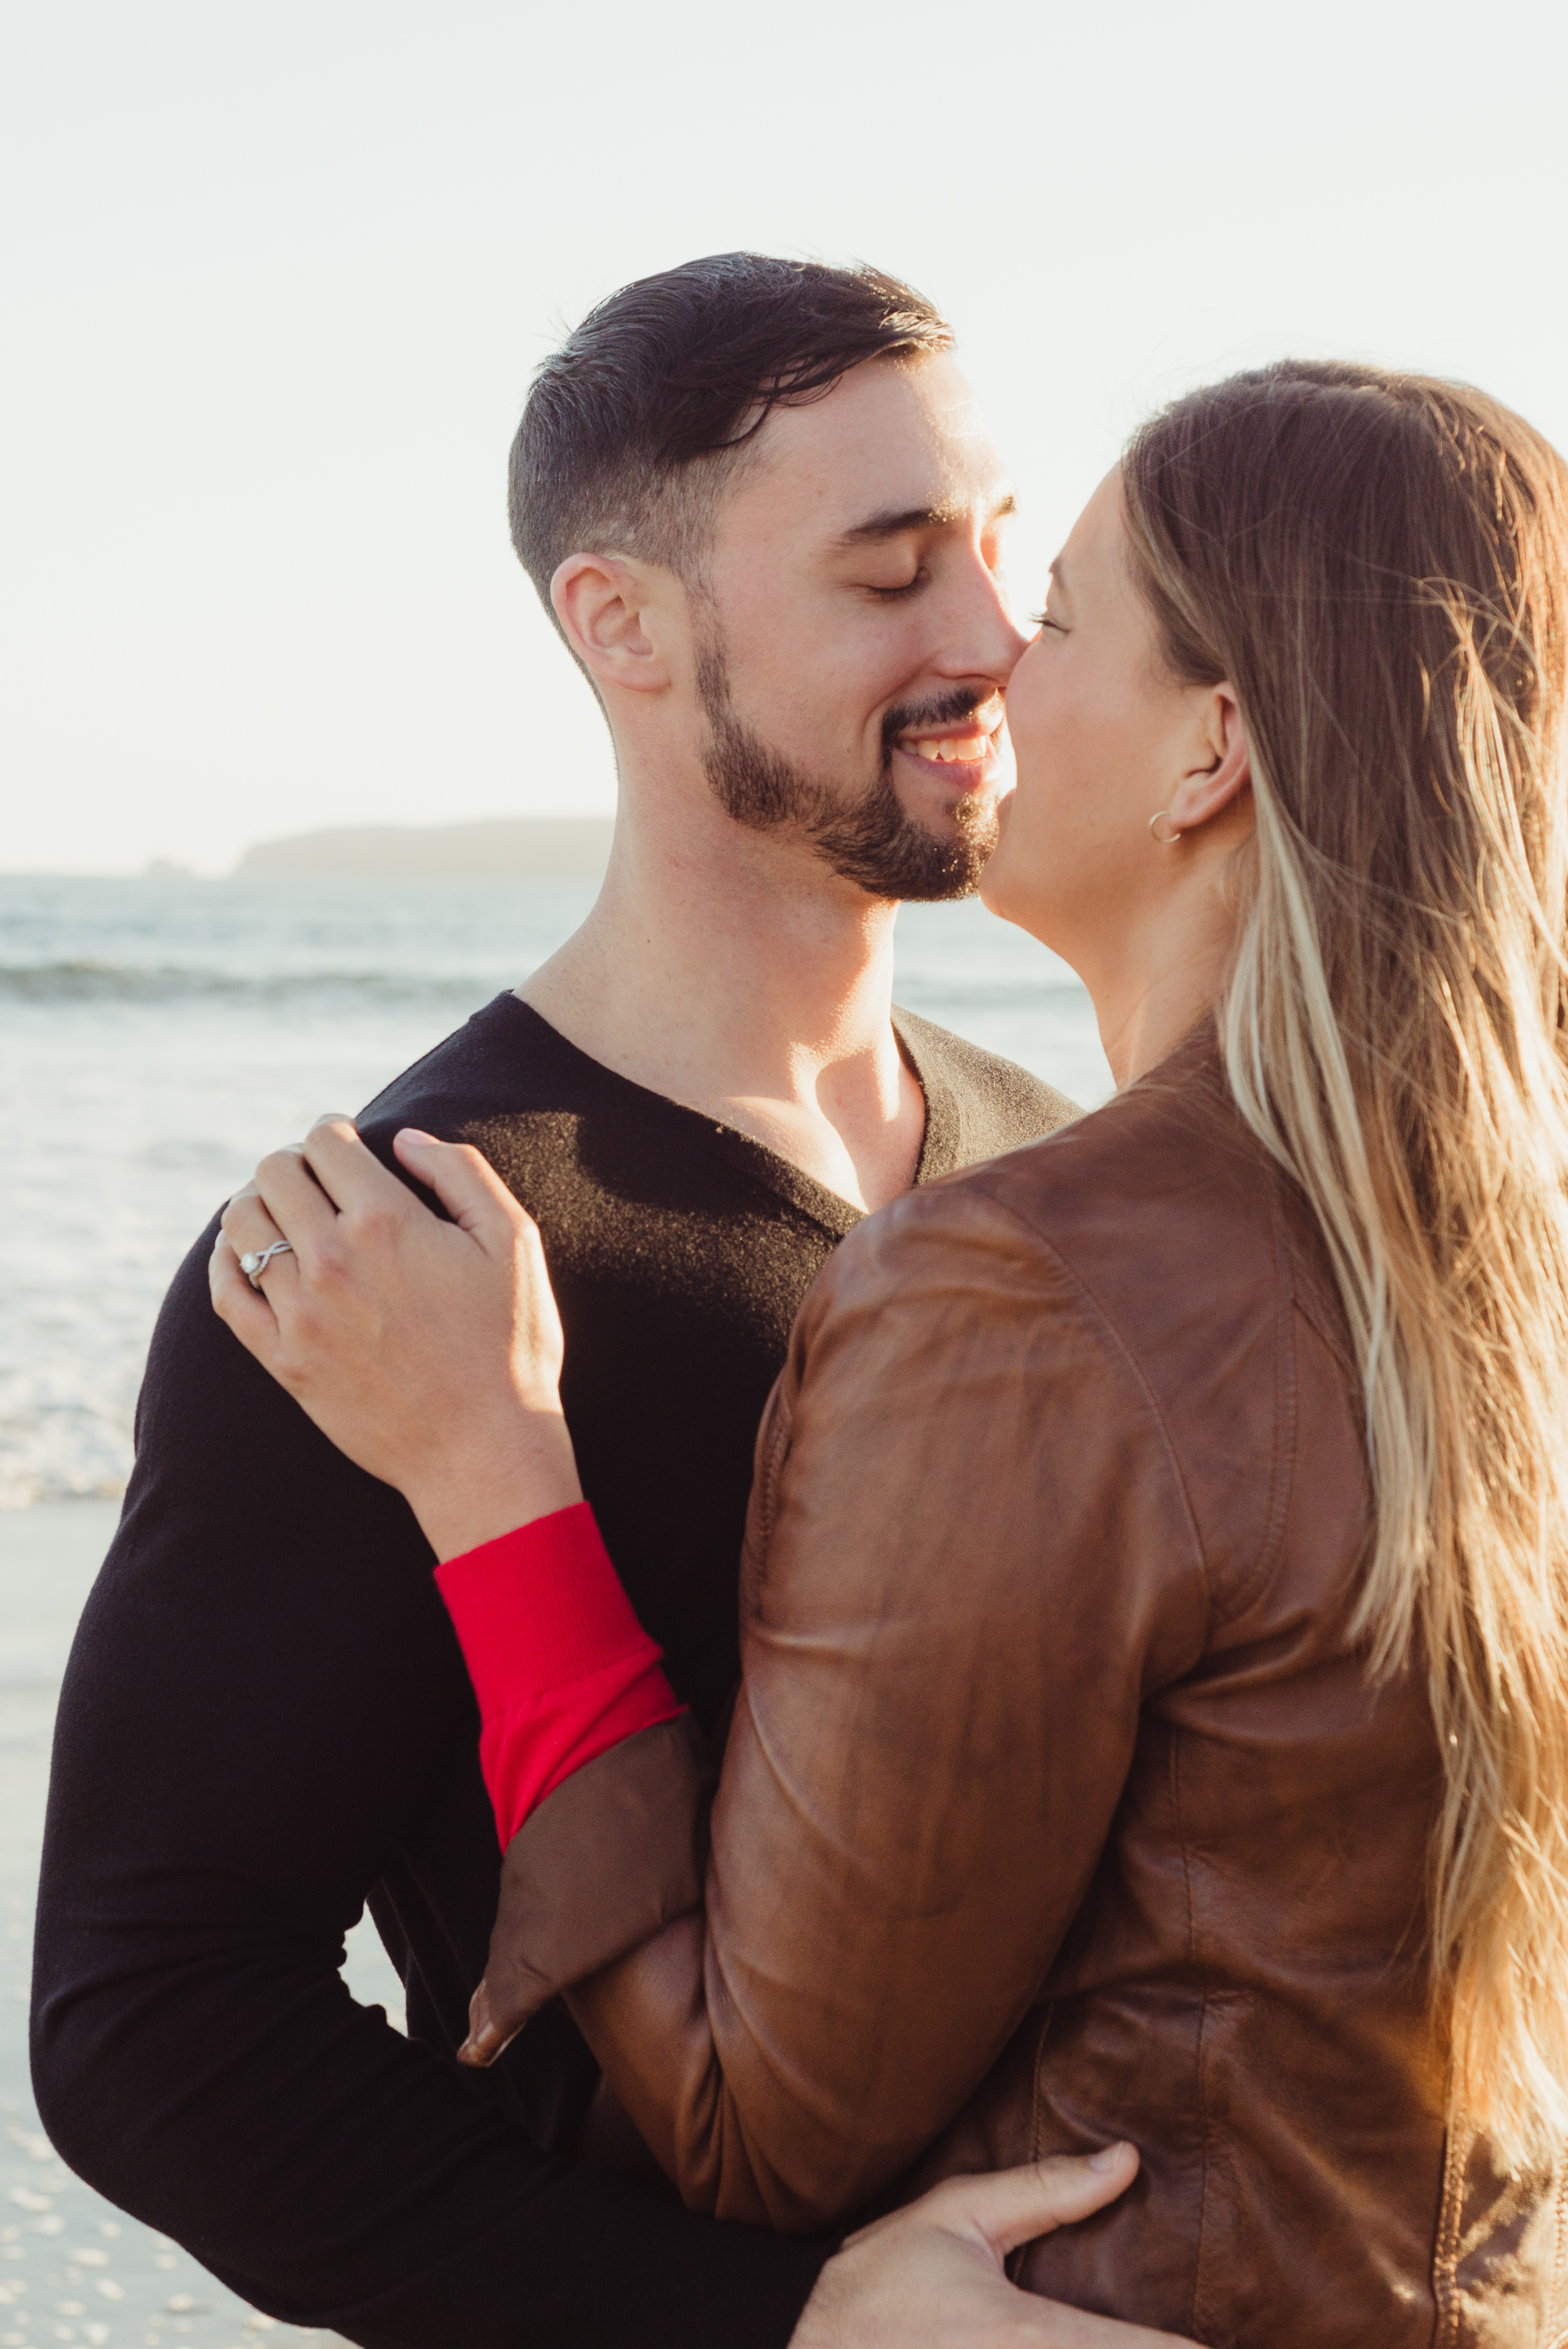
(561, 1666)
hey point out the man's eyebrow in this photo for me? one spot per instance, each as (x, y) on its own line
(891, 525)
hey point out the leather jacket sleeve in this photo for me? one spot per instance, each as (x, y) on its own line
(969, 1559)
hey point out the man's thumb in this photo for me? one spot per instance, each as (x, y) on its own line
(1013, 2206)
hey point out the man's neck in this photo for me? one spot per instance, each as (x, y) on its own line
(733, 972)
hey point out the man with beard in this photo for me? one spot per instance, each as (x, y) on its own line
(758, 501)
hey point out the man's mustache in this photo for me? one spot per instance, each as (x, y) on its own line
(940, 710)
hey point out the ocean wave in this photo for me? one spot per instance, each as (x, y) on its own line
(172, 983)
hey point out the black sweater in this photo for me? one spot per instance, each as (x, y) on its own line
(266, 1724)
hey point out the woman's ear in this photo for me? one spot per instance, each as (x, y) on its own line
(605, 606)
(1209, 789)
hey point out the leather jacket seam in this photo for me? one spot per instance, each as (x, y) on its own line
(1184, 1847)
(1308, 1303)
(1196, 2320)
(1282, 1467)
(1446, 2251)
(1113, 1338)
(1036, 2130)
(778, 1452)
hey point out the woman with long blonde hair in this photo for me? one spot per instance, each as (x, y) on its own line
(1155, 1712)
(1384, 579)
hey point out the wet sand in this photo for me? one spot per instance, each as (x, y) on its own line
(73, 2269)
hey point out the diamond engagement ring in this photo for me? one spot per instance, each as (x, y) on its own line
(254, 1261)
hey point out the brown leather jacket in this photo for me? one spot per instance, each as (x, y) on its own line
(1057, 1806)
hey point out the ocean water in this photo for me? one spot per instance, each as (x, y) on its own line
(158, 1035)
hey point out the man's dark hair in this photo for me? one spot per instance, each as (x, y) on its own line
(633, 426)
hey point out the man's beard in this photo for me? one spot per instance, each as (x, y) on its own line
(870, 842)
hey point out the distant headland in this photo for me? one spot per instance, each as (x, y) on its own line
(507, 848)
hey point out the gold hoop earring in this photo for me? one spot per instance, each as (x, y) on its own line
(1164, 840)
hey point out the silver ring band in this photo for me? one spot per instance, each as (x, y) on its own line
(254, 1261)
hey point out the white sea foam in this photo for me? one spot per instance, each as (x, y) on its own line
(156, 1036)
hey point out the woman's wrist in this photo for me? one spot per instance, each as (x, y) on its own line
(494, 1482)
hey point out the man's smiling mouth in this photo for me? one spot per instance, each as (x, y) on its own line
(973, 739)
(951, 749)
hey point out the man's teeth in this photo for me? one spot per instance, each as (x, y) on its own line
(962, 748)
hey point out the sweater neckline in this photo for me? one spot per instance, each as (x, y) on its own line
(770, 1168)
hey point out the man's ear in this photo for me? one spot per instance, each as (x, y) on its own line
(603, 605)
(1210, 789)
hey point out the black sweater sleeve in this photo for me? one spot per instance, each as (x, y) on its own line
(265, 1722)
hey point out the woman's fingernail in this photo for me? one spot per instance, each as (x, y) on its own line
(414, 1133)
(1109, 2157)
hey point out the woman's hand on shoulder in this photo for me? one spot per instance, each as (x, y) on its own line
(429, 1352)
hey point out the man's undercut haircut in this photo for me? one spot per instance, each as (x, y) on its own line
(634, 426)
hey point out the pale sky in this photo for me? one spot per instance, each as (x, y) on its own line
(276, 277)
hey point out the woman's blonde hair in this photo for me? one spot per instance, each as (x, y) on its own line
(1378, 565)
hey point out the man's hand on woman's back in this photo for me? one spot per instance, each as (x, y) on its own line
(931, 2276)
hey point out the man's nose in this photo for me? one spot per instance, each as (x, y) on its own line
(980, 637)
